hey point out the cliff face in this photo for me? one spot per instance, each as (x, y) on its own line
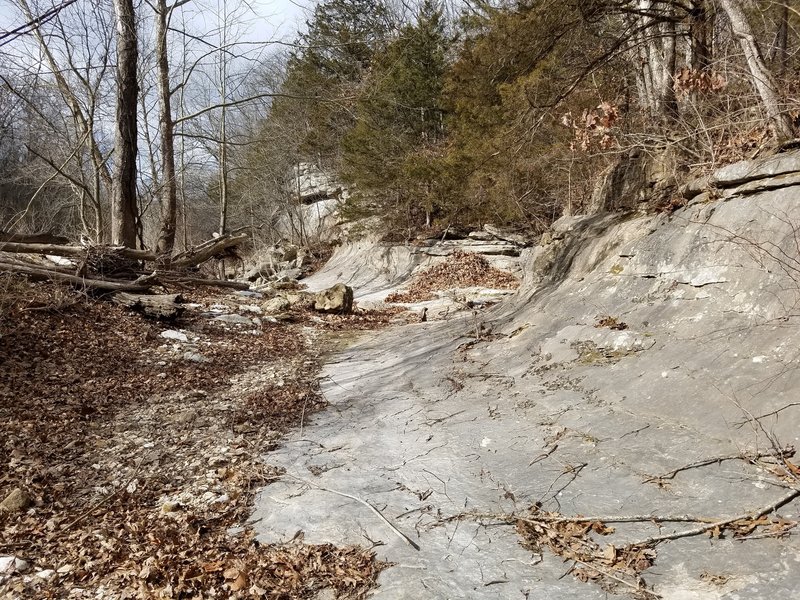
(636, 346)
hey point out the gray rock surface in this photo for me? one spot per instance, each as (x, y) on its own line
(533, 402)
(780, 170)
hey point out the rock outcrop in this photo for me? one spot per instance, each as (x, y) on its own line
(642, 357)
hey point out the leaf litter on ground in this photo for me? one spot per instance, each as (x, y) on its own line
(141, 466)
(461, 269)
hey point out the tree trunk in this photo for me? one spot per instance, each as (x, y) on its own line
(760, 75)
(779, 54)
(123, 196)
(169, 196)
(701, 27)
(658, 51)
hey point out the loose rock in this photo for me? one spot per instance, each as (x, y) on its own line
(16, 501)
(337, 299)
(276, 305)
(234, 319)
(171, 334)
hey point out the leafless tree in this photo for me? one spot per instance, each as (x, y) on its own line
(124, 210)
(761, 76)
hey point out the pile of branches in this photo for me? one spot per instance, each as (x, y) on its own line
(119, 270)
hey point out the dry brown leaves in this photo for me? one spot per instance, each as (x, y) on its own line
(138, 462)
(611, 323)
(461, 269)
(763, 526)
(574, 541)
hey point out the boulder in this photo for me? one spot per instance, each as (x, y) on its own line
(336, 299)
(506, 235)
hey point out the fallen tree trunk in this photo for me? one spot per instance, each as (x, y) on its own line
(33, 248)
(163, 306)
(38, 274)
(192, 257)
(33, 238)
(207, 250)
(79, 251)
(32, 265)
(236, 285)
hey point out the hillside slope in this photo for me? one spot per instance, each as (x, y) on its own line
(646, 367)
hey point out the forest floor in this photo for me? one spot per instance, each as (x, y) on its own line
(133, 448)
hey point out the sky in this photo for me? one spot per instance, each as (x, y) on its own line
(269, 19)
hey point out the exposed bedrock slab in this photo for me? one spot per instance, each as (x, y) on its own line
(427, 422)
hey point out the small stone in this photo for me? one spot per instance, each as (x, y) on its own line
(171, 334)
(62, 570)
(7, 564)
(21, 565)
(194, 357)
(170, 506)
(234, 319)
(45, 574)
(16, 501)
(276, 305)
(250, 308)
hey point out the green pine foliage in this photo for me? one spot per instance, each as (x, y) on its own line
(324, 74)
(390, 154)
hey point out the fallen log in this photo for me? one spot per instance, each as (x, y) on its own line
(223, 283)
(33, 238)
(34, 265)
(192, 257)
(79, 251)
(32, 248)
(38, 274)
(207, 250)
(162, 306)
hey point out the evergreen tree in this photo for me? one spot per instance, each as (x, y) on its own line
(389, 153)
(324, 74)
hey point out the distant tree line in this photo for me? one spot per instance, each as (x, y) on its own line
(124, 122)
(507, 112)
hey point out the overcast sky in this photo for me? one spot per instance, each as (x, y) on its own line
(269, 19)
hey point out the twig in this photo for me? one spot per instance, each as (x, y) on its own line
(719, 524)
(543, 455)
(765, 415)
(399, 533)
(773, 452)
(636, 586)
(512, 518)
(93, 508)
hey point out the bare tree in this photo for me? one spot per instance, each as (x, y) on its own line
(73, 58)
(124, 209)
(760, 75)
(169, 194)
